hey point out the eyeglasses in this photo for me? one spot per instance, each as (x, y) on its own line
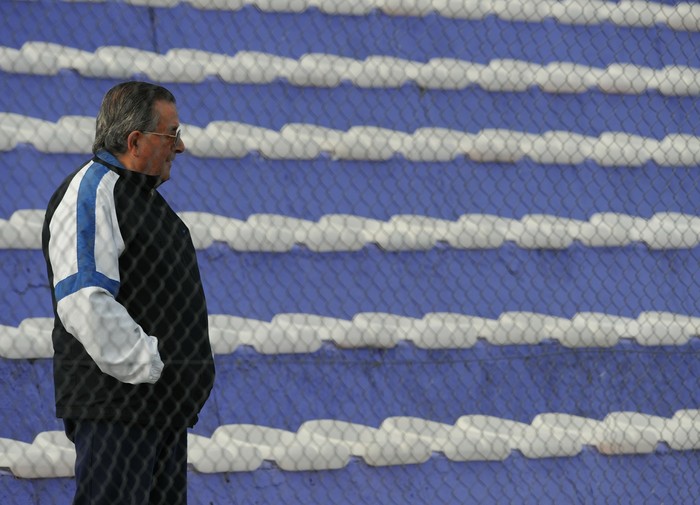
(177, 135)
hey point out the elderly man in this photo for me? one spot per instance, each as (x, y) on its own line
(132, 361)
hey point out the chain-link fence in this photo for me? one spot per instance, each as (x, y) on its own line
(449, 248)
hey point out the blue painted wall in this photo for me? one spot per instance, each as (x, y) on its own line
(366, 386)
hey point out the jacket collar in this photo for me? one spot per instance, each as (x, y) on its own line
(107, 159)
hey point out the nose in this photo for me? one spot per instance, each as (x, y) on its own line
(179, 146)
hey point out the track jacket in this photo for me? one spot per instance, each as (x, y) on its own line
(130, 337)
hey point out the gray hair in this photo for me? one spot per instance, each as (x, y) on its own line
(127, 107)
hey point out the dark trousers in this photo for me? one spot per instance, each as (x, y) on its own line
(128, 464)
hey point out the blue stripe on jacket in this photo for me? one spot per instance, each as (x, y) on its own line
(87, 274)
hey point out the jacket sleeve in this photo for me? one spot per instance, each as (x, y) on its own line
(84, 247)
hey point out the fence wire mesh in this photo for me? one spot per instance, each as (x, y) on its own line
(449, 249)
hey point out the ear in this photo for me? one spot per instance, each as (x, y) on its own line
(132, 143)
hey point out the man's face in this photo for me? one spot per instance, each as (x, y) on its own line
(160, 150)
